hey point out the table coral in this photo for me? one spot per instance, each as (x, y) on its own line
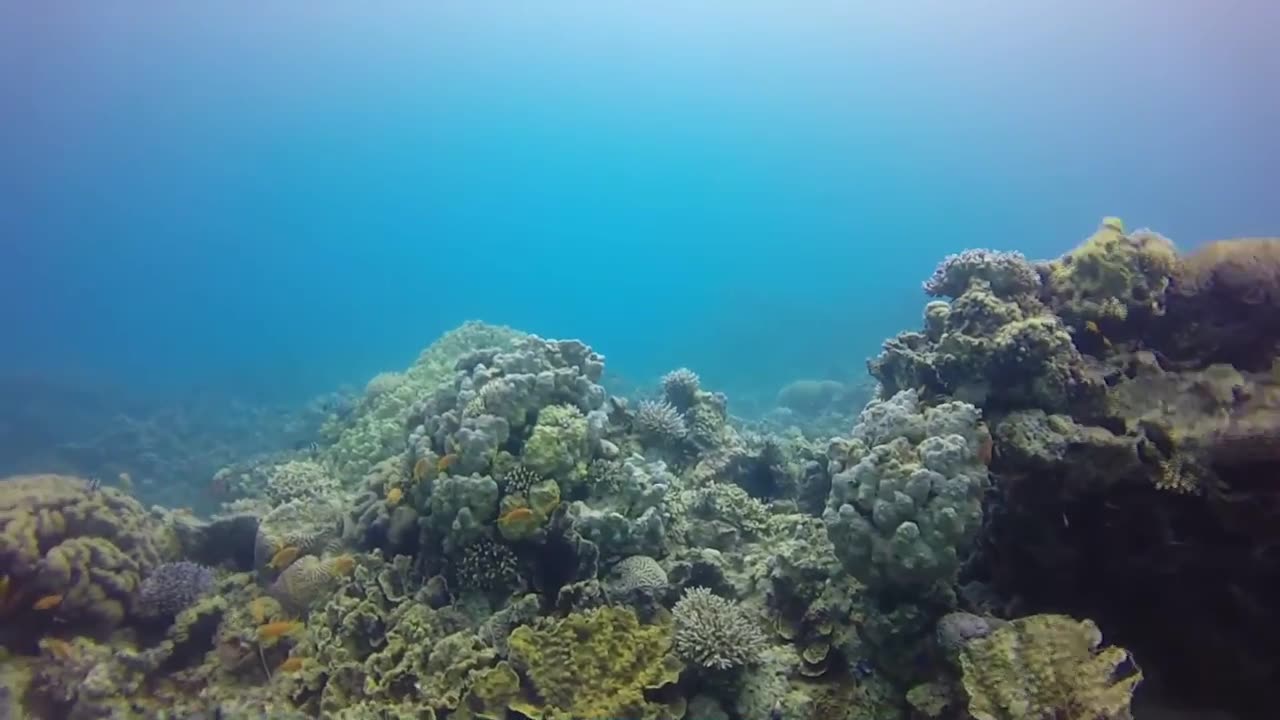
(594, 664)
(1047, 666)
(59, 536)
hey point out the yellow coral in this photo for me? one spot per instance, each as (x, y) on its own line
(309, 578)
(593, 665)
(1111, 274)
(61, 536)
(1047, 666)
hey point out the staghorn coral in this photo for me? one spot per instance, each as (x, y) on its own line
(594, 665)
(660, 422)
(715, 632)
(172, 587)
(1047, 666)
(92, 547)
(680, 388)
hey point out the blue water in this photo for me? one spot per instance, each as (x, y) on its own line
(282, 199)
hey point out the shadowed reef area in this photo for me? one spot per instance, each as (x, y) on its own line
(1058, 498)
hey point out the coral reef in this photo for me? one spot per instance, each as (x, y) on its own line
(490, 535)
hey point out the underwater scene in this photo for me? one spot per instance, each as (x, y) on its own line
(611, 361)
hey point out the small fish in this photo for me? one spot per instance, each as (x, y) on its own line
(94, 483)
(446, 462)
(863, 668)
(48, 602)
(291, 664)
(343, 565)
(776, 712)
(125, 481)
(520, 514)
(259, 609)
(279, 628)
(60, 649)
(420, 469)
(394, 495)
(1092, 327)
(283, 557)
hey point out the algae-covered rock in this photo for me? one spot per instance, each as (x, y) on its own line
(1047, 666)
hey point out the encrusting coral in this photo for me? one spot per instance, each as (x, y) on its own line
(1047, 666)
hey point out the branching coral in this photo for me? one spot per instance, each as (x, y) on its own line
(1047, 666)
(715, 632)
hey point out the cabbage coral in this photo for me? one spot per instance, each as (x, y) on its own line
(1047, 666)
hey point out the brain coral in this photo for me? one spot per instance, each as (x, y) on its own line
(59, 536)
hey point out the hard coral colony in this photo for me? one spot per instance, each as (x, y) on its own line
(490, 534)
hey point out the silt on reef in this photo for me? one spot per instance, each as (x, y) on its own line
(490, 534)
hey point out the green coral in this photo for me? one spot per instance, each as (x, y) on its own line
(1047, 666)
(559, 446)
(1112, 275)
(594, 665)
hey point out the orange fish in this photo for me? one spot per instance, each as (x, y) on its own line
(283, 557)
(291, 664)
(343, 565)
(48, 602)
(986, 451)
(420, 469)
(520, 514)
(258, 609)
(445, 462)
(394, 495)
(60, 649)
(278, 628)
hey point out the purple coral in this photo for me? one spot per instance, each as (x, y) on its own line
(1009, 273)
(172, 587)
